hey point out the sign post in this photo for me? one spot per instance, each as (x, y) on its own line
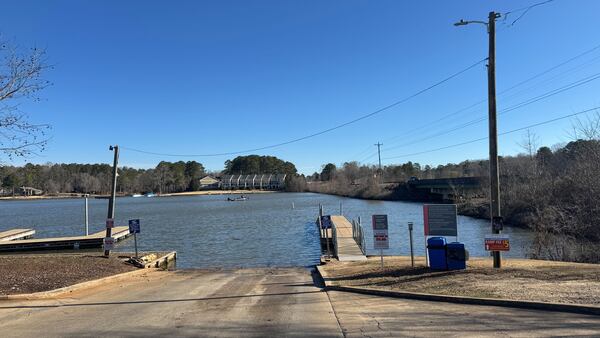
(412, 254)
(134, 228)
(380, 234)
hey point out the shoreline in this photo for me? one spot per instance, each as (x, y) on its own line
(175, 194)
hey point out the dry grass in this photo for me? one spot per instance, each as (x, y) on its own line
(519, 279)
(44, 272)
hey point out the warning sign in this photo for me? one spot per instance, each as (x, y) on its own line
(109, 243)
(497, 243)
(380, 232)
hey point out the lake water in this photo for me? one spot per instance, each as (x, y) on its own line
(208, 231)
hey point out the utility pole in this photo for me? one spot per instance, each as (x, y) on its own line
(496, 218)
(493, 131)
(378, 144)
(113, 195)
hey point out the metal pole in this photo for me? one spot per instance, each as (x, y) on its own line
(135, 241)
(381, 253)
(113, 194)
(410, 234)
(87, 223)
(493, 132)
(341, 209)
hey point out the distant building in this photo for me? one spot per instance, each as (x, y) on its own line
(29, 191)
(208, 182)
(254, 181)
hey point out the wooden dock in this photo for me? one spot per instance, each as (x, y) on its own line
(92, 241)
(345, 247)
(14, 234)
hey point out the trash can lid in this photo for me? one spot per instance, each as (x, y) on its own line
(436, 242)
(456, 245)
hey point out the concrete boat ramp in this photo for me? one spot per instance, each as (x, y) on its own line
(57, 243)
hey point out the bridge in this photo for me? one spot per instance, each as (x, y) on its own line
(448, 188)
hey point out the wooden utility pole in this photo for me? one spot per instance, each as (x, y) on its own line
(378, 144)
(493, 134)
(113, 195)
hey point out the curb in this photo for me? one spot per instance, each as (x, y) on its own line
(150, 267)
(559, 307)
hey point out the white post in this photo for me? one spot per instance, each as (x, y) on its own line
(87, 225)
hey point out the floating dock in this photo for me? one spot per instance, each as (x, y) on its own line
(92, 241)
(345, 247)
(14, 234)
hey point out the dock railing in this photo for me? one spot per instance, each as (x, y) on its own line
(357, 234)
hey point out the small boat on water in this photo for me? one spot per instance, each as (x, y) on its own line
(137, 195)
(150, 194)
(236, 199)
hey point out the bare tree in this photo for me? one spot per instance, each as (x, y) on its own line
(20, 78)
(529, 143)
(587, 128)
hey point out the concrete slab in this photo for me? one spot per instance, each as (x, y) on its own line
(190, 303)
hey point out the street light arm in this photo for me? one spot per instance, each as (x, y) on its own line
(464, 23)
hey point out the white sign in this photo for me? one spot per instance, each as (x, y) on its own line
(380, 232)
(109, 243)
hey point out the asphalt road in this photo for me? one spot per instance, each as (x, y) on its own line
(265, 303)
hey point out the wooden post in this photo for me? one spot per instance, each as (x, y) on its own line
(493, 132)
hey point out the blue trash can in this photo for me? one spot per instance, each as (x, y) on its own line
(456, 256)
(436, 247)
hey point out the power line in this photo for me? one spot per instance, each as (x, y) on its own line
(503, 133)
(322, 131)
(504, 111)
(596, 47)
(525, 9)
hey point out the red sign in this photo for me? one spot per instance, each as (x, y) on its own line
(497, 244)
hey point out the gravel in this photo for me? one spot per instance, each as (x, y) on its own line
(519, 279)
(43, 272)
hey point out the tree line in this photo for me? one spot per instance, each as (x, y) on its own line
(166, 177)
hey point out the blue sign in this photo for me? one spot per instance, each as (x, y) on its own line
(134, 226)
(326, 222)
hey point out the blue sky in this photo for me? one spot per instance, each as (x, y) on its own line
(197, 77)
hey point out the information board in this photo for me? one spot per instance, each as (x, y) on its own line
(440, 219)
(497, 243)
(134, 226)
(380, 232)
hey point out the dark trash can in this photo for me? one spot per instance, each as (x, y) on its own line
(456, 256)
(436, 247)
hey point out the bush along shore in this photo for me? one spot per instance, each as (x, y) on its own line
(552, 192)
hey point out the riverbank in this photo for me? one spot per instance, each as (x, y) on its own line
(519, 279)
(184, 193)
(218, 192)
